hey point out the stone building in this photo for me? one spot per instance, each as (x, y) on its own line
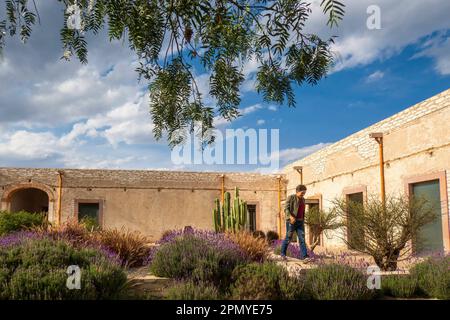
(147, 201)
(416, 149)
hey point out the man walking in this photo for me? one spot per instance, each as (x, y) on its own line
(295, 221)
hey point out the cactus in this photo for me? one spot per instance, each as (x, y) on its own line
(217, 215)
(230, 216)
(227, 210)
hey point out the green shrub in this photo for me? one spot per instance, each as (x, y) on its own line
(294, 287)
(90, 223)
(433, 277)
(191, 257)
(37, 269)
(399, 286)
(337, 282)
(190, 290)
(265, 281)
(15, 221)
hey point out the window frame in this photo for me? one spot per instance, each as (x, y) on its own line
(443, 185)
(308, 235)
(257, 214)
(346, 192)
(100, 203)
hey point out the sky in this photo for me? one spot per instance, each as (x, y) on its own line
(55, 113)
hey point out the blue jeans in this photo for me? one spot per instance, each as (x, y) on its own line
(299, 228)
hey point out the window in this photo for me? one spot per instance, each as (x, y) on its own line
(433, 187)
(312, 206)
(252, 216)
(354, 236)
(431, 233)
(89, 210)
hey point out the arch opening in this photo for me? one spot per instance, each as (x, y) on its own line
(29, 199)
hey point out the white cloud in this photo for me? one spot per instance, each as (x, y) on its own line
(220, 121)
(287, 155)
(5, 67)
(251, 109)
(28, 145)
(438, 48)
(96, 162)
(292, 154)
(377, 75)
(403, 22)
(260, 122)
(129, 123)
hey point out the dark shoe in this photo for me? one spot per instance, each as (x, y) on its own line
(284, 258)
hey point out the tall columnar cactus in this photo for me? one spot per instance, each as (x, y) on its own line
(230, 216)
(217, 214)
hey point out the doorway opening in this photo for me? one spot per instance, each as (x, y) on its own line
(251, 208)
(30, 200)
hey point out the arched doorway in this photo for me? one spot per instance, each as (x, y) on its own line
(29, 199)
(30, 196)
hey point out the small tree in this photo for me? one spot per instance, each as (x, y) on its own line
(384, 230)
(320, 221)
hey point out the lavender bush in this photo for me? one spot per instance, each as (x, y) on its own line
(218, 241)
(18, 238)
(433, 276)
(337, 282)
(190, 290)
(293, 251)
(214, 238)
(36, 269)
(266, 281)
(197, 255)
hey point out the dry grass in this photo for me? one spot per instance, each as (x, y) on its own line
(256, 249)
(70, 230)
(131, 246)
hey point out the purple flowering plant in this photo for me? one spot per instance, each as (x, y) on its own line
(215, 240)
(19, 237)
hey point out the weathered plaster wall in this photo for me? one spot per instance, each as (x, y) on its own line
(150, 201)
(416, 142)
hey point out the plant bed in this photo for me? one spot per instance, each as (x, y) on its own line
(36, 269)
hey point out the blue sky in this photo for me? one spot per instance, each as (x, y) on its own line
(61, 114)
